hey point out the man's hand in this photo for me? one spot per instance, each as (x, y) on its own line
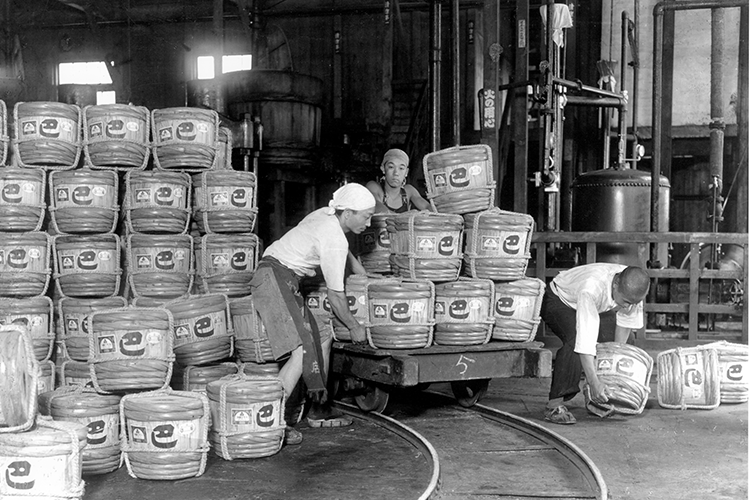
(598, 391)
(359, 334)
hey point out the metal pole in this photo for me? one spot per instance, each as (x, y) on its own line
(435, 64)
(456, 107)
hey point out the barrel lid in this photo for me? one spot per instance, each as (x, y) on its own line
(613, 177)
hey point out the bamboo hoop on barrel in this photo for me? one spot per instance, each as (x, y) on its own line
(155, 217)
(51, 152)
(460, 332)
(22, 202)
(20, 381)
(165, 405)
(384, 332)
(117, 153)
(4, 138)
(25, 283)
(98, 251)
(171, 152)
(96, 218)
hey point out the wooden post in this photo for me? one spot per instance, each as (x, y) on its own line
(520, 100)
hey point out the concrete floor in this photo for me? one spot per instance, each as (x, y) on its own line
(661, 454)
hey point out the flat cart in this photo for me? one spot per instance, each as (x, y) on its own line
(370, 373)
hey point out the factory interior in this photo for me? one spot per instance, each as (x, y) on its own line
(616, 130)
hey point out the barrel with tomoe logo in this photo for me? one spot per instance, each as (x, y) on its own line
(87, 266)
(355, 289)
(74, 314)
(25, 266)
(47, 135)
(185, 139)
(426, 245)
(459, 179)
(516, 308)
(688, 377)
(225, 201)
(157, 202)
(497, 244)
(195, 378)
(401, 314)
(116, 136)
(160, 266)
(374, 246)
(626, 371)
(84, 201)
(463, 312)
(131, 349)
(251, 338)
(225, 263)
(22, 199)
(734, 370)
(166, 434)
(36, 316)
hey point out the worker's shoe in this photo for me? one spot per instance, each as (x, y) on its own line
(292, 436)
(559, 415)
(332, 418)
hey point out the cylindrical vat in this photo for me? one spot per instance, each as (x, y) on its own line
(74, 373)
(617, 201)
(19, 381)
(426, 245)
(131, 349)
(374, 246)
(25, 269)
(46, 380)
(35, 315)
(116, 136)
(401, 314)
(734, 370)
(87, 266)
(47, 135)
(688, 377)
(251, 338)
(100, 414)
(463, 312)
(225, 201)
(459, 179)
(516, 307)
(22, 204)
(248, 416)
(157, 202)
(84, 201)
(160, 266)
(166, 436)
(207, 94)
(74, 314)
(185, 139)
(225, 263)
(43, 463)
(497, 244)
(195, 378)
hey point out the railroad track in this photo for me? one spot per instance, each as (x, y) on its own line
(482, 452)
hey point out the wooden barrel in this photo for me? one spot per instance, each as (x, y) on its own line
(36, 316)
(87, 265)
(43, 463)
(426, 245)
(224, 151)
(100, 414)
(626, 371)
(463, 312)
(157, 202)
(260, 369)
(22, 205)
(46, 380)
(185, 139)
(355, 289)
(84, 201)
(160, 266)
(401, 314)
(74, 314)
(225, 263)
(497, 244)
(459, 179)
(225, 201)
(203, 331)
(195, 378)
(315, 293)
(74, 373)
(19, 381)
(516, 307)
(734, 370)
(373, 246)
(166, 434)
(248, 416)
(116, 136)
(688, 377)
(25, 268)
(47, 135)
(251, 338)
(131, 349)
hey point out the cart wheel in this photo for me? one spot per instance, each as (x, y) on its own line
(373, 399)
(468, 392)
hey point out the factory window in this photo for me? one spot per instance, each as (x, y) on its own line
(83, 73)
(105, 97)
(239, 62)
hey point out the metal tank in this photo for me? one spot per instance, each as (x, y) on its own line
(617, 201)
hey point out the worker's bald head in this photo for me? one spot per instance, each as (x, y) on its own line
(633, 284)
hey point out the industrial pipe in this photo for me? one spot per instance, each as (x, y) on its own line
(435, 64)
(456, 46)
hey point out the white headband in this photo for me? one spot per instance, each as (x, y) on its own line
(352, 196)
